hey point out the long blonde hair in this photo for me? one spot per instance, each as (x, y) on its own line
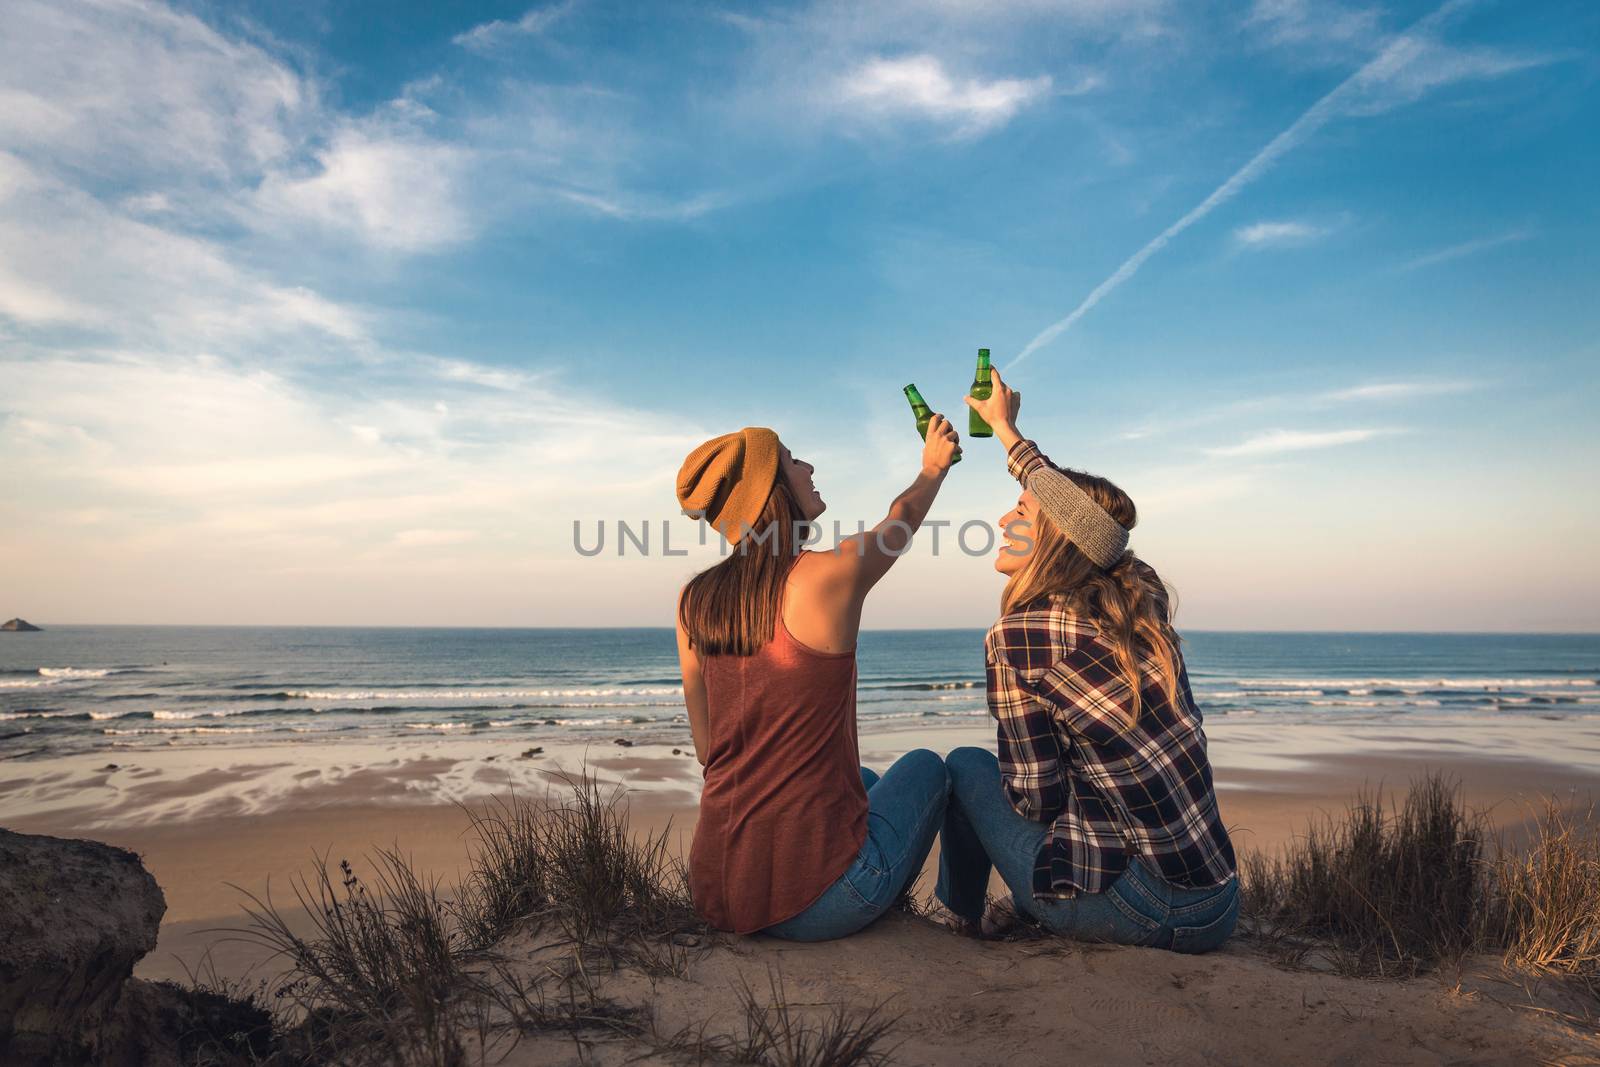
(1128, 602)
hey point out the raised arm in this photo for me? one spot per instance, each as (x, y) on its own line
(999, 410)
(861, 560)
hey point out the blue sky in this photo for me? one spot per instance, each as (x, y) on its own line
(343, 313)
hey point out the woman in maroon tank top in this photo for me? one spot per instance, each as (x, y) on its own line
(795, 837)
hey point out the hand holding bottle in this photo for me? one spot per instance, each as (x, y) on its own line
(999, 409)
(941, 447)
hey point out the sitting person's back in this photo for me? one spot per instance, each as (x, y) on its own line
(766, 642)
(783, 811)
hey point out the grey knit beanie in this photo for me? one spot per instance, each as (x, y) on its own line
(1075, 513)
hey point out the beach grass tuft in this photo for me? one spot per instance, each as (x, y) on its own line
(398, 972)
(1393, 891)
(775, 1032)
(574, 863)
(1551, 899)
(376, 976)
(1388, 890)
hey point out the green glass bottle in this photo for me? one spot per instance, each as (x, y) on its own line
(920, 408)
(981, 388)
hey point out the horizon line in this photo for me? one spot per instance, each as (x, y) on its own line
(864, 629)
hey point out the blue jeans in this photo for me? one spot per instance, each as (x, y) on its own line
(905, 809)
(1138, 908)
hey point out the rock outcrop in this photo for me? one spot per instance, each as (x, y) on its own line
(19, 625)
(75, 916)
(79, 915)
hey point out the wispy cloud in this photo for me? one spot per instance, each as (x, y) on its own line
(919, 86)
(1275, 442)
(1278, 234)
(1465, 248)
(203, 133)
(648, 208)
(388, 191)
(1234, 410)
(142, 92)
(533, 22)
(1409, 64)
(124, 280)
(949, 69)
(189, 449)
(1303, 22)
(1397, 390)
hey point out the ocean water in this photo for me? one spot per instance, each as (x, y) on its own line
(92, 688)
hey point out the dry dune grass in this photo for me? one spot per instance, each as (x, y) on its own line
(1383, 891)
(1551, 900)
(1393, 891)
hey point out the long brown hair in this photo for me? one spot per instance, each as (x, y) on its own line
(732, 608)
(1128, 602)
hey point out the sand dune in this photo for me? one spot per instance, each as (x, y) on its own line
(250, 818)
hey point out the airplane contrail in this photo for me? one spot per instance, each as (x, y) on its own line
(1399, 52)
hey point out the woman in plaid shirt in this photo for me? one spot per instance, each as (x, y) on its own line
(1099, 814)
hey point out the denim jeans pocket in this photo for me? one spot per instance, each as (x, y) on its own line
(1130, 926)
(866, 882)
(1207, 936)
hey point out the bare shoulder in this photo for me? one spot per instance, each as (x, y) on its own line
(822, 570)
(821, 609)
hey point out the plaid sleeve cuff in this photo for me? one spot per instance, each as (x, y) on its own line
(1023, 459)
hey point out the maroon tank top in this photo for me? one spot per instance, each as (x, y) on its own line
(783, 812)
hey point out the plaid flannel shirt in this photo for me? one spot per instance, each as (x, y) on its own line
(1060, 700)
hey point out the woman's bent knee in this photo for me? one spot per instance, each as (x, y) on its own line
(969, 760)
(922, 761)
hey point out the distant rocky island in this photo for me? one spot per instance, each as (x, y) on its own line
(19, 626)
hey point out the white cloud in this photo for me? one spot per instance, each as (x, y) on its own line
(1275, 442)
(647, 208)
(92, 269)
(409, 451)
(533, 22)
(1397, 390)
(1465, 248)
(1277, 234)
(203, 130)
(139, 90)
(206, 133)
(1421, 64)
(1235, 410)
(919, 86)
(393, 192)
(945, 68)
(1321, 24)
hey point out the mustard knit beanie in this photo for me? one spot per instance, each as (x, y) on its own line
(727, 480)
